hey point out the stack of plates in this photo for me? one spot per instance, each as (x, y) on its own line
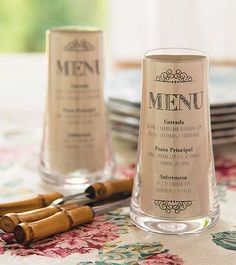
(125, 95)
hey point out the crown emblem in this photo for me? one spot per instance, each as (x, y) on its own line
(79, 45)
(171, 77)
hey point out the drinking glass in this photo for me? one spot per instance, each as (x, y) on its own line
(175, 187)
(76, 147)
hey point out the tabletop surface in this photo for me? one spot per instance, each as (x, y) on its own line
(110, 238)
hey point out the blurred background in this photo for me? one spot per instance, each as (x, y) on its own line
(23, 22)
(132, 27)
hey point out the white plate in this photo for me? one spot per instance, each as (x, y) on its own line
(223, 110)
(123, 109)
(126, 85)
(124, 120)
(223, 125)
(217, 121)
(225, 117)
(125, 136)
(224, 140)
(134, 139)
(223, 133)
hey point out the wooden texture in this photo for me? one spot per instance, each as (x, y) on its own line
(57, 223)
(29, 204)
(106, 189)
(9, 221)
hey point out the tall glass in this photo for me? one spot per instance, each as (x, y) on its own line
(175, 186)
(76, 147)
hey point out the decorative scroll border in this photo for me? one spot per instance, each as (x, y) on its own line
(175, 206)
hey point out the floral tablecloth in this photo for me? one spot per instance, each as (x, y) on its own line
(112, 238)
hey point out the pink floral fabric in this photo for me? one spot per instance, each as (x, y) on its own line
(126, 171)
(163, 259)
(104, 230)
(226, 172)
(79, 240)
(10, 155)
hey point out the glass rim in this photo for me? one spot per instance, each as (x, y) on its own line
(172, 51)
(76, 29)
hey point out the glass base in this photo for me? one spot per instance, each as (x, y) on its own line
(172, 227)
(79, 179)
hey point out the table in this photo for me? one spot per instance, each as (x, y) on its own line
(111, 238)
